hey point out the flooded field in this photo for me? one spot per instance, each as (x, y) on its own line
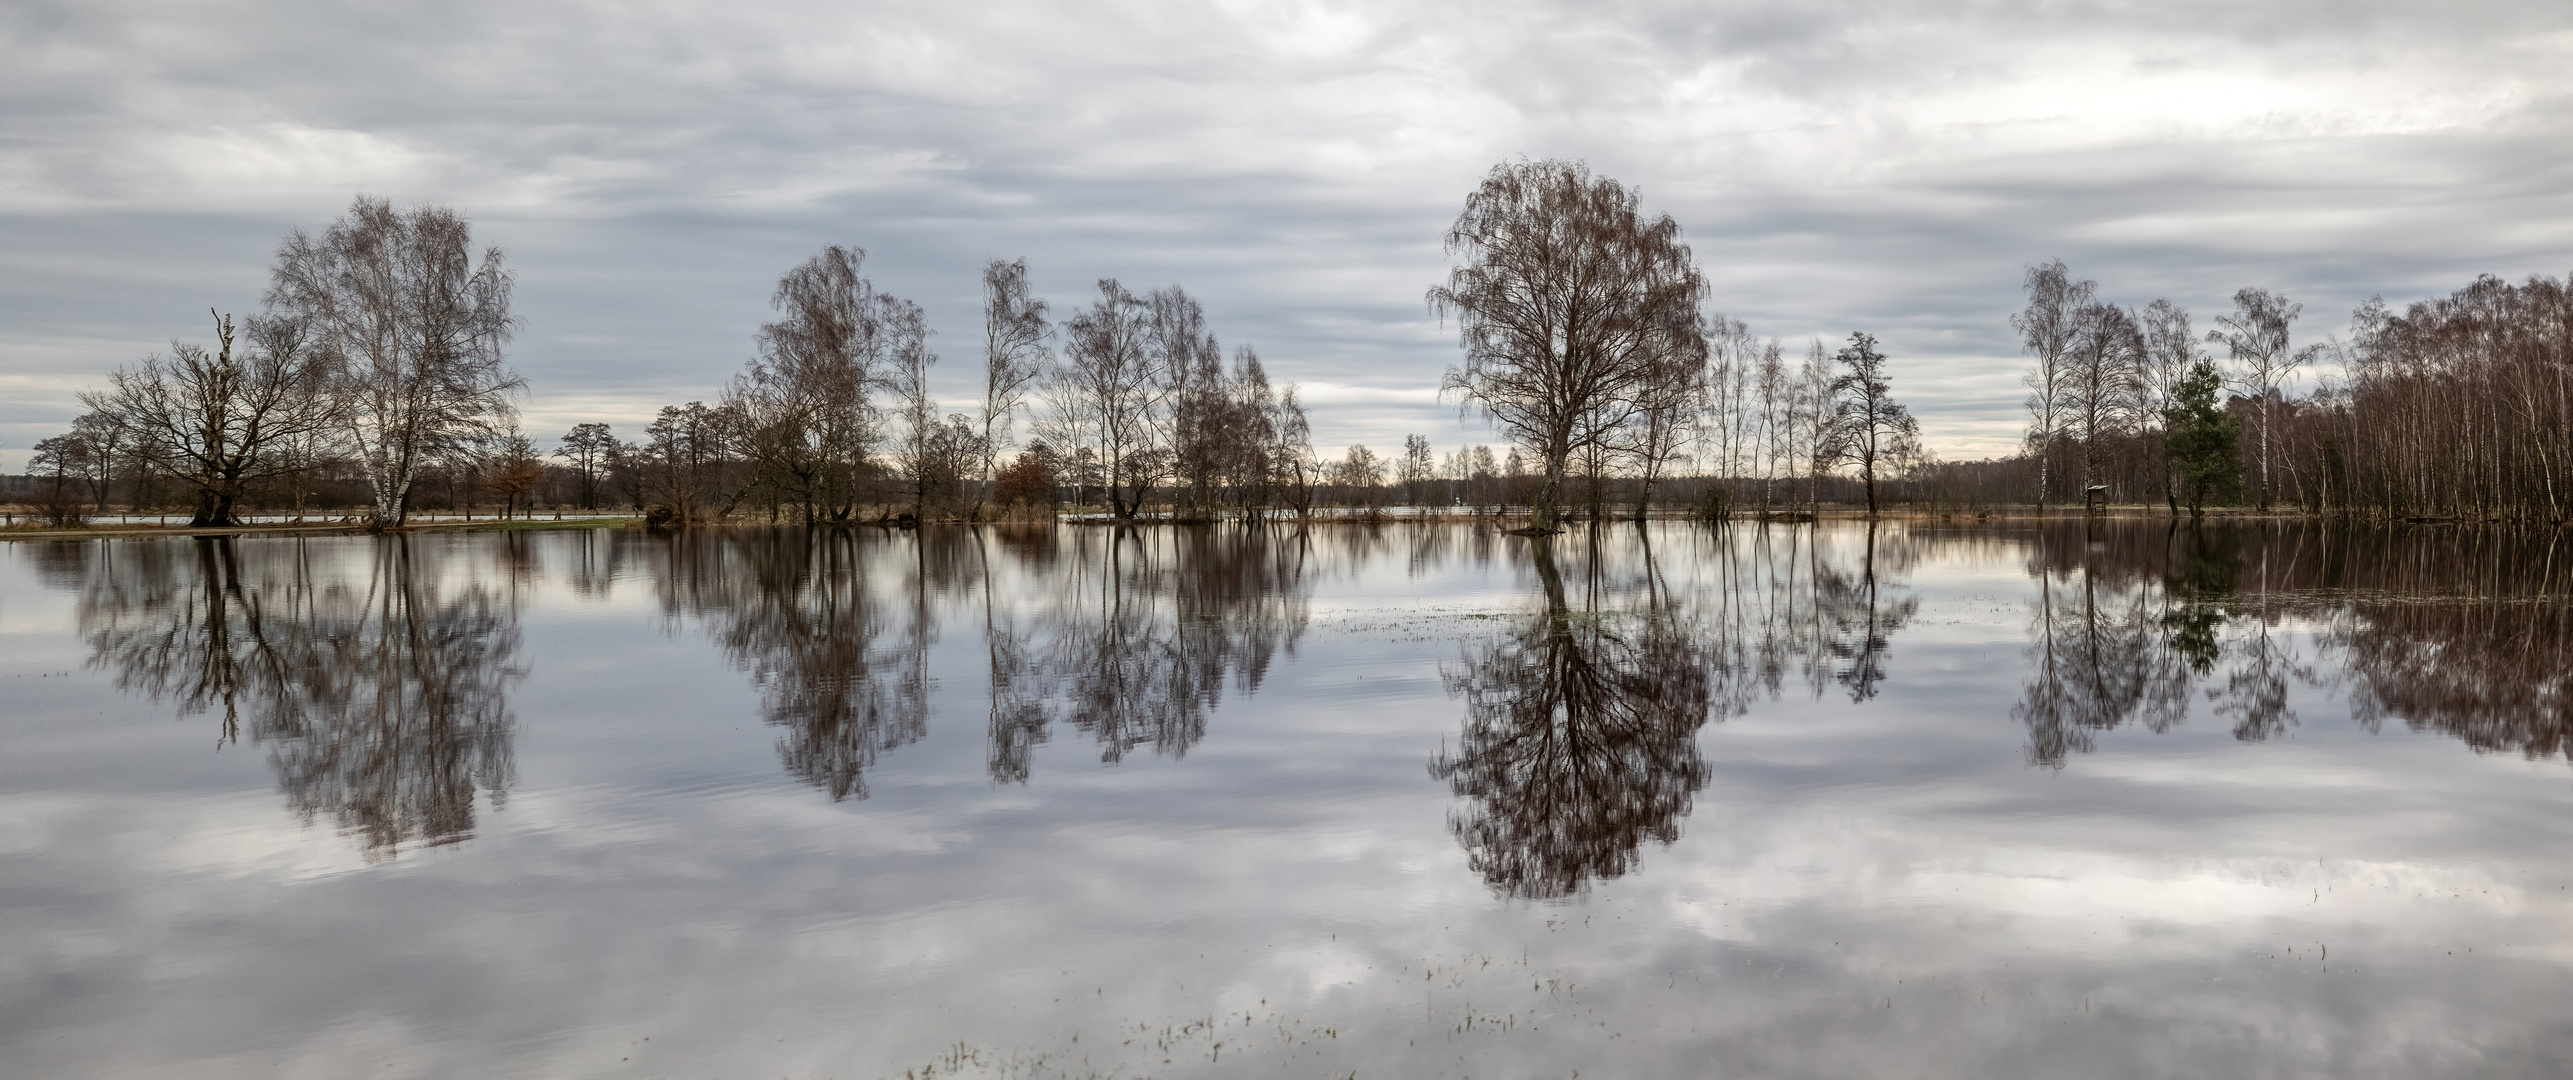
(1415, 800)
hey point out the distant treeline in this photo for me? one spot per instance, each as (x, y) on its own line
(2456, 407)
(373, 381)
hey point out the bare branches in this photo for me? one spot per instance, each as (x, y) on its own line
(1572, 308)
(2256, 334)
(2459, 406)
(1869, 425)
(2104, 388)
(589, 448)
(412, 328)
(807, 422)
(1017, 345)
(2048, 327)
(221, 420)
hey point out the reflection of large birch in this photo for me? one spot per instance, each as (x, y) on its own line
(1580, 743)
(383, 702)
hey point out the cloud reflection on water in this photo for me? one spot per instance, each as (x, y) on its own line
(1866, 878)
(379, 680)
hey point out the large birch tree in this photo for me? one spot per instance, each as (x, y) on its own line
(414, 326)
(1570, 305)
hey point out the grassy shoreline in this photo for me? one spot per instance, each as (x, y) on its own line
(332, 528)
(2019, 514)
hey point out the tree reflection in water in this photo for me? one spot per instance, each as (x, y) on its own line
(1580, 732)
(2460, 631)
(826, 633)
(2105, 645)
(2471, 637)
(1580, 741)
(1021, 689)
(1130, 635)
(381, 696)
(1154, 624)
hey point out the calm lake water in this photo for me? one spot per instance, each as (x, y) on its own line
(1412, 801)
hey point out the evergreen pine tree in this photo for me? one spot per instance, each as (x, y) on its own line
(2203, 439)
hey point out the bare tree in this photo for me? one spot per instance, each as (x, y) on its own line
(1819, 441)
(1872, 427)
(1729, 417)
(1416, 469)
(1777, 439)
(219, 420)
(1016, 347)
(807, 418)
(1569, 305)
(60, 462)
(515, 472)
(687, 461)
(2170, 350)
(1666, 420)
(1254, 439)
(2047, 328)
(2104, 383)
(2256, 334)
(1484, 477)
(907, 357)
(1191, 401)
(588, 447)
(413, 326)
(1106, 389)
(1359, 474)
(108, 445)
(1292, 460)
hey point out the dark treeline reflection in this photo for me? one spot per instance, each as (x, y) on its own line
(1128, 636)
(375, 676)
(1581, 718)
(2458, 631)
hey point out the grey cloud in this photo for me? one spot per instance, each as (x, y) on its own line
(1839, 166)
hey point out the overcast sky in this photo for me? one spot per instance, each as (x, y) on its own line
(651, 168)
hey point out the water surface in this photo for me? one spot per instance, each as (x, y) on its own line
(1416, 800)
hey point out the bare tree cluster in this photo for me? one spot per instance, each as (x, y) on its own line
(2105, 384)
(2455, 407)
(1144, 407)
(1132, 404)
(378, 357)
(375, 376)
